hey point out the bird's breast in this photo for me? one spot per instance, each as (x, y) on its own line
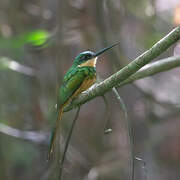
(88, 82)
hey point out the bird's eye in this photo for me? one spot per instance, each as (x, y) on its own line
(85, 57)
(88, 56)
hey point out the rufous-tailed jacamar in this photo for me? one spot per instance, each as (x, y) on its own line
(78, 78)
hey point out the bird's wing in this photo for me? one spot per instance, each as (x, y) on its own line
(69, 86)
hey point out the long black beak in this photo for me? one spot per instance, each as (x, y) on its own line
(105, 49)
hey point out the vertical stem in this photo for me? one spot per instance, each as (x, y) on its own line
(106, 129)
(67, 143)
(129, 129)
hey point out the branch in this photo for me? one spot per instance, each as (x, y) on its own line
(37, 137)
(8, 63)
(128, 70)
(153, 68)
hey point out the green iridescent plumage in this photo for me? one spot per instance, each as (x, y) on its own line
(78, 78)
(72, 81)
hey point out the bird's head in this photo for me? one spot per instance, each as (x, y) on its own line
(89, 58)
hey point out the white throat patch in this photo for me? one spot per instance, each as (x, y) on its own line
(90, 62)
(95, 61)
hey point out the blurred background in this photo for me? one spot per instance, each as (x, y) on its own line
(38, 42)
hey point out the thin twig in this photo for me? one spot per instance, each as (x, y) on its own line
(129, 129)
(144, 165)
(130, 135)
(67, 143)
(153, 68)
(106, 129)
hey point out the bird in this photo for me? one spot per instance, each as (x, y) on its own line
(80, 77)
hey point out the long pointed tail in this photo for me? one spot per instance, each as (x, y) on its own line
(54, 133)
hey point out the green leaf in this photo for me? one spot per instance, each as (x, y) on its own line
(36, 38)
